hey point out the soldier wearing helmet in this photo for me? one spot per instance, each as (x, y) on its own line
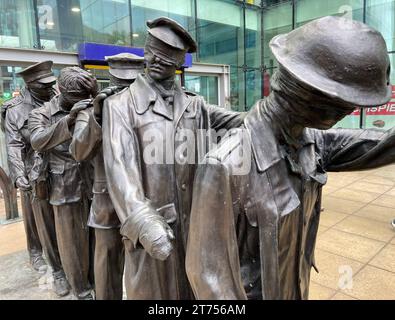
(260, 231)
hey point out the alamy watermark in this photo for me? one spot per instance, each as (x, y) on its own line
(185, 146)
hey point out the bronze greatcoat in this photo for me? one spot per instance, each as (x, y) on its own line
(131, 119)
(255, 238)
(24, 162)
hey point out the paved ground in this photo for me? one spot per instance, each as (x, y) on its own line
(355, 251)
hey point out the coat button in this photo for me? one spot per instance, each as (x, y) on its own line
(183, 187)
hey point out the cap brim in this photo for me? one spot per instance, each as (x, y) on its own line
(125, 74)
(47, 80)
(306, 73)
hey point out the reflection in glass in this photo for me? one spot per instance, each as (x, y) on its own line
(60, 27)
(277, 19)
(237, 89)
(381, 16)
(307, 10)
(17, 24)
(105, 21)
(206, 86)
(253, 86)
(221, 40)
(220, 36)
(144, 10)
(253, 38)
(351, 121)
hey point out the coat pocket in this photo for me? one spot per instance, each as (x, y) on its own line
(168, 212)
(102, 207)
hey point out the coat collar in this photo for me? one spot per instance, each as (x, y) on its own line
(27, 97)
(144, 96)
(265, 146)
(54, 106)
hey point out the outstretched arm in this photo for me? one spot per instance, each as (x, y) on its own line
(87, 136)
(356, 149)
(221, 118)
(44, 135)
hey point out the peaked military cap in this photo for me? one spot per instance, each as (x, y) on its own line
(171, 33)
(125, 65)
(41, 72)
(339, 57)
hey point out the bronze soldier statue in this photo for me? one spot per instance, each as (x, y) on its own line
(51, 129)
(26, 167)
(255, 239)
(153, 199)
(87, 144)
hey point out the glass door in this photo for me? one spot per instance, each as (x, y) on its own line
(204, 85)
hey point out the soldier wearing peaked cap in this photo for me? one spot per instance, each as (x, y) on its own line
(28, 171)
(124, 66)
(260, 231)
(152, 198)
(86, 144)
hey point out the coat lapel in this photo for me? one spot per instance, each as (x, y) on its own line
(181, 104)
(144, 96)
(162, 109)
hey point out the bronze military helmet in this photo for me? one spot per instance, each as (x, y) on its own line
(341, 58)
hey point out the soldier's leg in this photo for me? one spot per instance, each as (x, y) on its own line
(92, 241)
(73, 242)
(109, 264)
(44, 216)
(33, 240)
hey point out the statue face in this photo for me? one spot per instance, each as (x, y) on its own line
(157, 68)
(44, 91)
(325, 117)
(75, 85)
(71, 98)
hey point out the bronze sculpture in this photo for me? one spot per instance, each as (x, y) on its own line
(153, 200)
(25, 170)
(51, 129)
(86, 144)
(260, 230)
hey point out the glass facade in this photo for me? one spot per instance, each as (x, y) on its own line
(206, 86)
(232, 32)
(18, 28)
